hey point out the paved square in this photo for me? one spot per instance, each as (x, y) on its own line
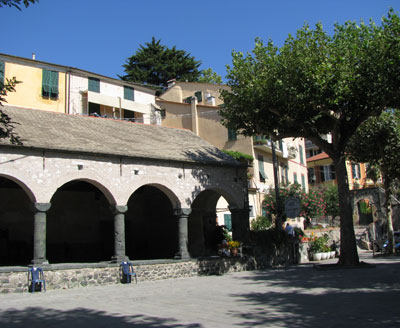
(298, 296)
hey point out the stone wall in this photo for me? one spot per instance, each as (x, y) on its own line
(65, 276)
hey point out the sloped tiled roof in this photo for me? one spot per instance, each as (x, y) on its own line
(318, 157)
(75, 133)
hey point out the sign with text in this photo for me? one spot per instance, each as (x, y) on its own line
(292, 207)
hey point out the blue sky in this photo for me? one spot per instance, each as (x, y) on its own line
(99, 35)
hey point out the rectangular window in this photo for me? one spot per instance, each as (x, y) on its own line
(301, 154)
(327, 173)
(261, 171)
(228, 221)
(295, 177)
(355, 170)
(199, 96)
(49, 84)
(2, 70)
(94, 84)
(303, 182)
(232, 135)
(251, 211)
(129, 93)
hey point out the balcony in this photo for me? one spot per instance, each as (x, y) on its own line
(265, 144)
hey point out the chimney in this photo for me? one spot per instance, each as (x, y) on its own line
(33, 56)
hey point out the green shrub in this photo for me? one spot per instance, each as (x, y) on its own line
(261, 223)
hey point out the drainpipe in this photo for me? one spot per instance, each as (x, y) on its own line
(195, 121)
(120, 109)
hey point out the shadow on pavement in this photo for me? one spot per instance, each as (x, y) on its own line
(79, 318)
(305, 297)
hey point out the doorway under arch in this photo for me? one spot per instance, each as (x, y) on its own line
(80, 225)
(150, 225)
(16, 224)
(203, 233)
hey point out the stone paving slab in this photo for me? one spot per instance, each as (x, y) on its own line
(298, 296)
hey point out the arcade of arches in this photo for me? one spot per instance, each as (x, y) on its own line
(80, 224)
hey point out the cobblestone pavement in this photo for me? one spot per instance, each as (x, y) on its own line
(297, 296)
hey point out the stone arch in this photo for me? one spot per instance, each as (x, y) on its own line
(150, 223)
(203, 234)
(16, 221)
(80, 223)
(375, 197)
(23, 186)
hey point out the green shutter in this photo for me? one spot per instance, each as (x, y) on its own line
(303, 182)
(188, 100)
(295, 177)
(199, 96)
(301, 154)
(94, 84)
(129, 93)
(263, 176)
(46, 81)
(54, 84)
(232, 135)
(228, 221)
(2, 70)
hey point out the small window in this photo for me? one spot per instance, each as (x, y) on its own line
(49, 84)
(2, 70)
(295, 177)
(303, 182)
(94, 84)
(199, 96)
(129, 93)
(232, 135)
(301, 155)
(261, 171)
(228, 221)
(251, 211)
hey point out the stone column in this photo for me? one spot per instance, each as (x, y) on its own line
(39, 233)
(183, 215)
(119, 233)
(240, 224)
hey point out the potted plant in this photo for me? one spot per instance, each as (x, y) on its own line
(319, 248)
(233, 247)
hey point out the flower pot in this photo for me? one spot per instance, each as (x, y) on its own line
(325, 256)
(234, 252)
(317, 256)
(332, 254)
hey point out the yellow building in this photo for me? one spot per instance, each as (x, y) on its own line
(195, 106)
(65, 89)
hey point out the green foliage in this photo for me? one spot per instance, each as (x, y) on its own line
(241, 157)
(209, 76)
(331, 199)
(261, 223)
(319, 244)
(155, 64)
(316, 84)
(311, 204)
(17, 3)
(373, 173)
(365, 208)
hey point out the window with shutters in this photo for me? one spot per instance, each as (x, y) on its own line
(303, 182)
(2, 70)
(228, 221)
(94, 84)
(49, 84)
(261, 171)
(301, 154)
(129, 93)
(232, 135)
(295, 177)
(199, 96)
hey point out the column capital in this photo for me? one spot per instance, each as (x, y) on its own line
(122, 209)
(40, 207)
(182, 211)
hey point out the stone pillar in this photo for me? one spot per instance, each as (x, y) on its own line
(240, 224)
(39, 233)
(182, 215)
(119, 233)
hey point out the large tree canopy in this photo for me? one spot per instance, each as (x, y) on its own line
(377, 141)
(317, 84)
(155, 64)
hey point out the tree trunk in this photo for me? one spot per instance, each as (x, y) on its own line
(388, 208)
(348, 247)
